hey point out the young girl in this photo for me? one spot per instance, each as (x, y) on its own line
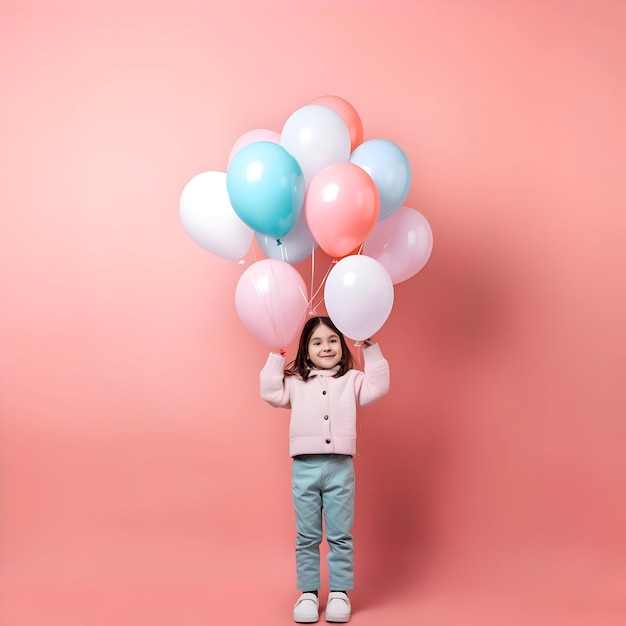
(323, 390)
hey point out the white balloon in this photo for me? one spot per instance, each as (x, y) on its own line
(316, 137)
(209, 218)
(298, 244)
(359, 296)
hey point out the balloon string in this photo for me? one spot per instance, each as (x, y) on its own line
(312, 308)
(316, 305)
(321, 284)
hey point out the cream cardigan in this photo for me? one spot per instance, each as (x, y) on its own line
(323, 408)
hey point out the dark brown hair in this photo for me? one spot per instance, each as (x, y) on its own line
(301, 366)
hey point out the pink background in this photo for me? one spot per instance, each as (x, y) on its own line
(143, 481)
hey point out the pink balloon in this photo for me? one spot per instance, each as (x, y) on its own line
(349, 115)
(402, 243)
(271, 301)
(341, 207)
(252, 136)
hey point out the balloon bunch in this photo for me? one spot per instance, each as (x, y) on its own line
(315, 184)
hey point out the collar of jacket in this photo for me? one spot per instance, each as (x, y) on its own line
(329, 372)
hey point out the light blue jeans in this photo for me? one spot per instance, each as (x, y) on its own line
(324, 484)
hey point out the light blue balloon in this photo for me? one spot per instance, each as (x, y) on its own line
(266, 188)
(390, 170)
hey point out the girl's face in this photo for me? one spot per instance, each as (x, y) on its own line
(324, 348)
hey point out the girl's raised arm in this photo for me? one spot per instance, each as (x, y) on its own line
(272, 382)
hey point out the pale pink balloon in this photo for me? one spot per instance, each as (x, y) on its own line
(348, 114)
(341, 207)
(402, 243)
(252, 136)
(272, 302)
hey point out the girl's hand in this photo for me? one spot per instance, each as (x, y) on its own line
(367, 342)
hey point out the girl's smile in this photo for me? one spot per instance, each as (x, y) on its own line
(324, 348)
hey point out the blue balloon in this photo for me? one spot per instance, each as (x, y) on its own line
(266, 188)
(389, 167)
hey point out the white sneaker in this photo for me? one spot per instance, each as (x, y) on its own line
(338, 607)
(306, 609)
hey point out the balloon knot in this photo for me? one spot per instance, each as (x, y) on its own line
(279, 242)
(283, 352)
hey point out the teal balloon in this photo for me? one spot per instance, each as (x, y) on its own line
(266, 188)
